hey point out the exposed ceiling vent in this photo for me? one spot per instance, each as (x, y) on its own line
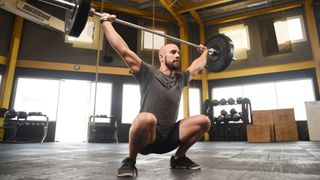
(33, 11)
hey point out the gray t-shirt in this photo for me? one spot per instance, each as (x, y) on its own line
(160, 95)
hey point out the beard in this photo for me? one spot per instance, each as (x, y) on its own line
(172, 66)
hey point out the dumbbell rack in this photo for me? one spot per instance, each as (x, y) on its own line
(22, 129)
(225, 131)
(102, 129)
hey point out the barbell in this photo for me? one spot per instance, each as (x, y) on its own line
(220, 47)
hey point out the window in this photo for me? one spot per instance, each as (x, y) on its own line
(181, 112)
(61, 103)
(289, 30)
(73, 111)
(194, 101)
(130, 102)
(240, 37)
(262, 95)
(293, 94)
(152, 41)
(86, 36)
(271, 95)
(37, 95)
(89, 38)
(102, 102)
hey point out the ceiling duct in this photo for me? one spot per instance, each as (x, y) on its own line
(32, 13)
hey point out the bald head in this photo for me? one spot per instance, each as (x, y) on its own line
(169, 57)
(166, 48)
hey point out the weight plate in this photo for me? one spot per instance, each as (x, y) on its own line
(219, 61)
(76, 18)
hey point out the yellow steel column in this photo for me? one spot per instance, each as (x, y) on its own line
(183, 49)
(205, 94)
(314, 39)
(9, 74)
(184, 65)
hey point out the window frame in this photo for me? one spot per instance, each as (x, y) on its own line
(143, 41)
(302, 24)
(239, 54)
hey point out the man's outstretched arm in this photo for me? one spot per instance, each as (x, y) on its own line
(118, 44)
(199, 63)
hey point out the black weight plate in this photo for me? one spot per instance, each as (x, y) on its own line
(76, 18)
(207, 106)
(218, 62)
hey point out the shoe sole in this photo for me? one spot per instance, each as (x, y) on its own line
(125, 175)
(185, 167)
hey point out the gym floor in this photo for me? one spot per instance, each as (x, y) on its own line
(219, 160)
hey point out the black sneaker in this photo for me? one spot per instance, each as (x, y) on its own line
(128, 168)
(183, 163)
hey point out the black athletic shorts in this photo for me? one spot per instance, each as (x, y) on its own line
(164, 146)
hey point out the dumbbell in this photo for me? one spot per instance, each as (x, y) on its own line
(207, 106)
(11, 113)
(246, 101)
(223, 112)
(22, 115)
(231, 101)
(227, 118)
(215, 102)
(239, 100)
(236, 117)
(223, 101)
(220, 119)
(233, 111)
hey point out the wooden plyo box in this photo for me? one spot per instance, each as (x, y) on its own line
(263, 117)
(286, 132)
(260, 133)
(283, 116)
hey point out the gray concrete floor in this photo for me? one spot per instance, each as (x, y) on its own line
(219, 160)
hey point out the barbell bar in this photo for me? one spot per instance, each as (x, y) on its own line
(220, 47)
(119, 21)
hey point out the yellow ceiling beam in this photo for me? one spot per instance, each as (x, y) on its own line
(199, 5)
(253, 13)
(145, 14)
(199, 21)
(263, 70)
(71, 67)
(179, 18)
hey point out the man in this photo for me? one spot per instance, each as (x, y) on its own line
(155, 130)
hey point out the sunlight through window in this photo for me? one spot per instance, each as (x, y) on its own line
(239, 35)
(271, 95)
(37, 95)
(103, 99)
(158, 41)
(290, 29)
(130, 102)
(194, 101)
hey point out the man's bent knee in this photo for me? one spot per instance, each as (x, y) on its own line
(205, 122)
(145, 120)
